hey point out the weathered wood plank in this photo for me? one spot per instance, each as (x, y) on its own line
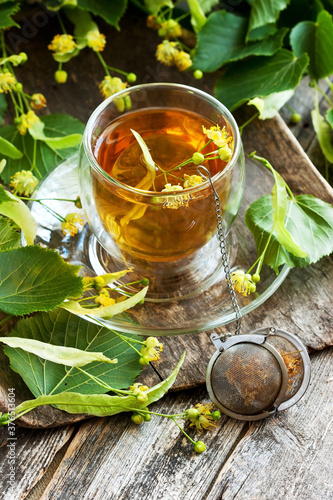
(290, 456)
(114, 459)
(32, 453)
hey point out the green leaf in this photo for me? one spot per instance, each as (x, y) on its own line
(316, 40)
(7, 10)
(67, 141)
(15, 209)
(60, 328)
(329, 117)
(9, 237)
(35, 279)
(198, 18)
(207, 5)
(68, 356)
(48, 156)
(261, 33)
(259, 76)
(100, 405)
(265, 12)
(323, 131)
(107, 311)
(3, 106)
(110, 10)
(83, 24)
(154, 6)
(269, 106)
(8, 149)
(222, 40)
(310, 222)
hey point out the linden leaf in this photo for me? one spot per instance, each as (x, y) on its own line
(68, 356)
(47, 158)
(35, 279)
(259, 77)
(9, 237)
(67, 331)
(110, 10)
(265, 12)
(269, 106)
(222, 40)
(310, 222)
(7, 10)
(100, 405)
(323, 131)
(67, 141)
(8, 149)
(316, 40)
(329, 117)
(15, 209)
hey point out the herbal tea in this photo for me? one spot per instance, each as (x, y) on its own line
(145, 222)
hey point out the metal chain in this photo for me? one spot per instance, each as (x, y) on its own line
(223, 248)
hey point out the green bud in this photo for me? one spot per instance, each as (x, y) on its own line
(137, 419)
(23, 57)
(192, 413)
(147, 417)
(255, 278)
(162, 32)
(198, 158)
(225, 153)
(199, 447)
(131, 77)
(198, 74)
(18, 87)
(252, 288)
(60, 76)
(144, 360)
(144, 281)
(295, 118)
(216, 415)
(142, 301)
(78, 203)
(142, 397)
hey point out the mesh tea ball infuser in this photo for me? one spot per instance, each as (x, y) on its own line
(253, 376)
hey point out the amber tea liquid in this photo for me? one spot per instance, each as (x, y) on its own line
(156, 228)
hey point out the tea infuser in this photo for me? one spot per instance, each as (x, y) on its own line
(255, 375)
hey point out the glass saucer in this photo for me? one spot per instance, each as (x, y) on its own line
(207, 310)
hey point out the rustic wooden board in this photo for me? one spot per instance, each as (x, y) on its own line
(301, 305)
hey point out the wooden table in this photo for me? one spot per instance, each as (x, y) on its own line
(285, 457)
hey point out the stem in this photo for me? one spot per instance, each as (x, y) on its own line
(247, 122)
(100, 57)
(157, 414)
(203, 147)
(102, 384)
(324, 95)
(118, 70)
(61, 24)
(45, 199)
(188, 437)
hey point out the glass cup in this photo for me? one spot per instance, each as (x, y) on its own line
(167, 237)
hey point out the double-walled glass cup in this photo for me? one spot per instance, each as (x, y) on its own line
(167, 237)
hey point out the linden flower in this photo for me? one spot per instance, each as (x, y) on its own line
(192, 180)
(149, 350)
(7, 82)
(174, 201)
(218, 136)
(201, 416)
(152, 22)
(166, 52)
(170, 29)
(182, 60)
(38, 101)
(96, 40)
(23, 183)
(72, 224)
(62, 44)
(243, 283)
(111, 85)
(139, 391)
(25, 121)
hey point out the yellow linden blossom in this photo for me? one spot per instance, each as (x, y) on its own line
(38, 101)
(96, 40)
(72, 224)
(203, 420)
(166, 52)
(243, 283)
(182, 60)
(25, 121)
(111, 85)
(137, 388)
(170, 29)
(7, 82)
(192, 180)
(23, 183)
(62, 44)
(150, 349)
(218, 136)
(174, 201)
